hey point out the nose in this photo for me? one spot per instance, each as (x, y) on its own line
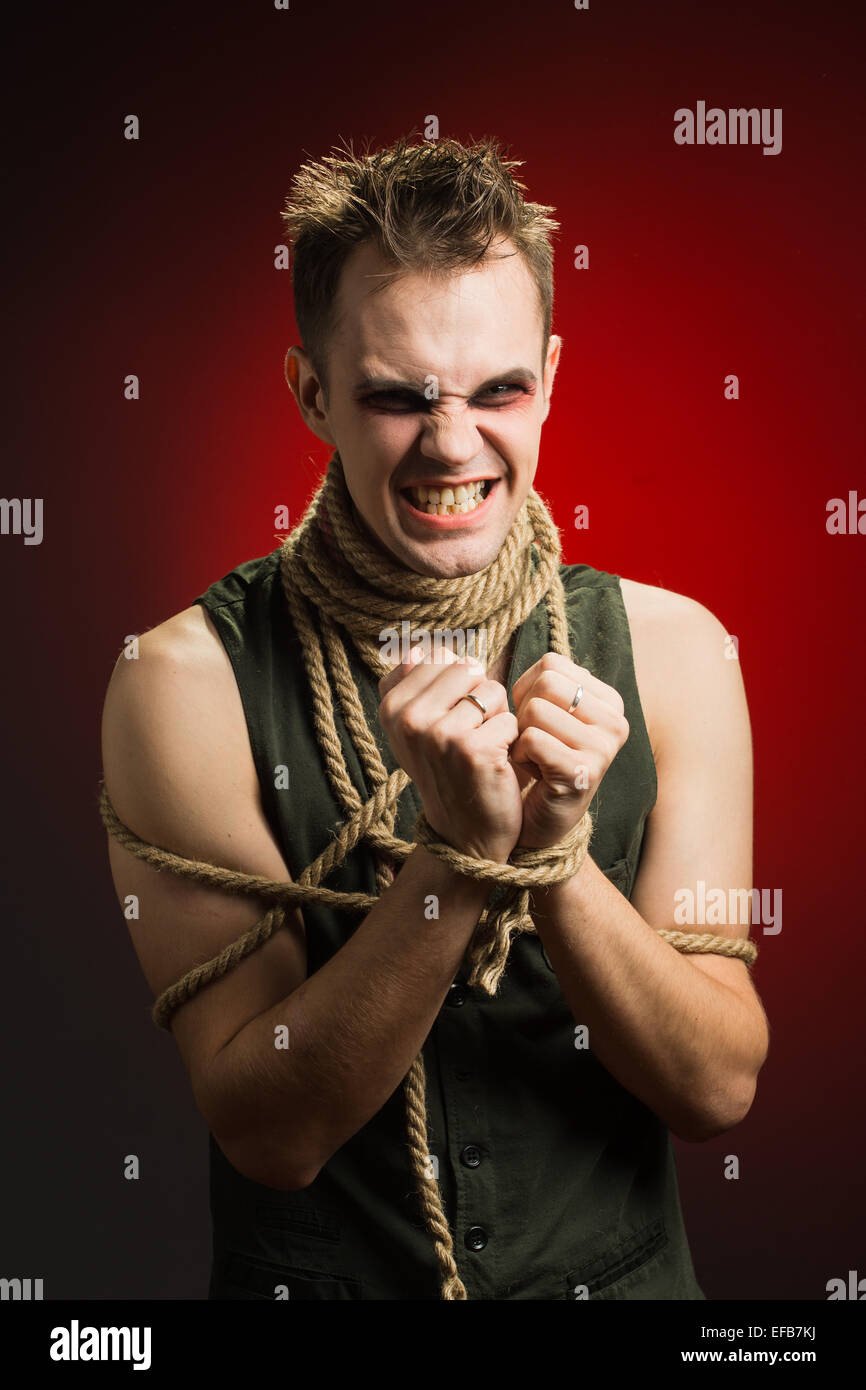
(450, 437)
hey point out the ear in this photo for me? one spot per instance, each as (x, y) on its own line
(554, 348)
(309, 393)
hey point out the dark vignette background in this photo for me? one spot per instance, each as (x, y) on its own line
(156, 258)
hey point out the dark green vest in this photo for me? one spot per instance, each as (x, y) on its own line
(552, 1175)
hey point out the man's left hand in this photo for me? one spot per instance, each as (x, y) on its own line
(561, 754)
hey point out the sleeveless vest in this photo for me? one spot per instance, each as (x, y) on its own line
(557, 1183)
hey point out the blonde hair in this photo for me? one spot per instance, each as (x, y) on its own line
(434, 207)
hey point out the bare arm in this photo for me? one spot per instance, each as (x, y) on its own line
(685, 1033)
(179, 771)
(355, 1027)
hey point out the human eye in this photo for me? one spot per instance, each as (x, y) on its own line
(508, 390)
(395, 402)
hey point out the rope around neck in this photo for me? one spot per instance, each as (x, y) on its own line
(338, 583)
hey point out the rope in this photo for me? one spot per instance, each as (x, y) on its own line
(337, 583)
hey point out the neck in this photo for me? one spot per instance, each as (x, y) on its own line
(332, 559)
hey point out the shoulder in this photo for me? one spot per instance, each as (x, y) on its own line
(183, 650)
(173, 729)
(672, 622)
(647, 605)
(686, 660)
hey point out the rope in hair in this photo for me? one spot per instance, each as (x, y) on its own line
(337, 583)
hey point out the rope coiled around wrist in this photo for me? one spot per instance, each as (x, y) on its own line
(525, 869)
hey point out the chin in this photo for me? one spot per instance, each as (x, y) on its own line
(442, 557)
(453, 559)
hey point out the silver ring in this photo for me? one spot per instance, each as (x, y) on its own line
(578, 696)
(477, 702)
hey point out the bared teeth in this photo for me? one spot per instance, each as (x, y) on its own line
(446, 501)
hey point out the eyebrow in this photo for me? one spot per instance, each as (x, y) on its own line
(514, 375)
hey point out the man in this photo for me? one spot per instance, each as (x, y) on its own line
(423, 292)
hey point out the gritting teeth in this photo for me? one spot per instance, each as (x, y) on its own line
(456, 509)
(448, 501)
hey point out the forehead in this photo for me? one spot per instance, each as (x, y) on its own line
(456, 321)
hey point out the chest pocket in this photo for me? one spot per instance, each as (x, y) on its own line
(238, 1276)
(626, 1269)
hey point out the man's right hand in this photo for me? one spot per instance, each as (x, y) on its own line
(470, 791)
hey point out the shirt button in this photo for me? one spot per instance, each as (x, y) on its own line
(456, 996)
(475, 1238)
(471, 1156)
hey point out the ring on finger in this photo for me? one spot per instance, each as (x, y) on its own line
(578, 696)
(475, 700)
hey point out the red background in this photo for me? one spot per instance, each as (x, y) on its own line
(156, 258)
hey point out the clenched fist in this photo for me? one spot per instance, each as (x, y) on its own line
(566, 747)
(457, 758)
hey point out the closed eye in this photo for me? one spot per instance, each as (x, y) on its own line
(409, 401)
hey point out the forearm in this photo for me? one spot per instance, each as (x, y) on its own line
(354, 1028)
(684, 1044)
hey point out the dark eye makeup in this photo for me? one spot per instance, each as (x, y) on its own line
(412, 402)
